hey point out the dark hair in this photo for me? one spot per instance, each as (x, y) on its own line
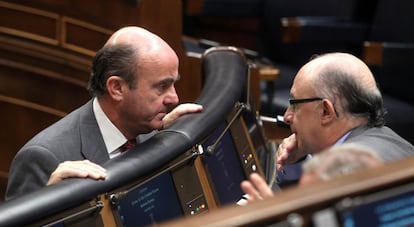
(112, 60)
(354, 98)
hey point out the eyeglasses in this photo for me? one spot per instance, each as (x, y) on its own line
(293, 102)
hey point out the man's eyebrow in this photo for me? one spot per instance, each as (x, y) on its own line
(168, 80)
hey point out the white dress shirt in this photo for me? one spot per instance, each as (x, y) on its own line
(112, 137)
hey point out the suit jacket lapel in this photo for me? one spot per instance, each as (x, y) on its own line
(93, 145)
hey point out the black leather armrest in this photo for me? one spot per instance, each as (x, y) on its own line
(225, 70)
(323, 30)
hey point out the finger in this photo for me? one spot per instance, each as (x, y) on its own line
(190, 107)
(280, 167)
(185, 108)
(281, 154)
(261, 185)
(282, 160)
(286, 152)
(84, 168)
(180, 110)
(256, 188)
(90, 169)
(79, 169)
(250, 190)
(93, 166)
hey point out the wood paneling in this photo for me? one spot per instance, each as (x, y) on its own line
(82, 27)
(46, 49)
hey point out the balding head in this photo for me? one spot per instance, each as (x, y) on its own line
(128, 51)
(345, 63)
(346, 81)
(141, 39)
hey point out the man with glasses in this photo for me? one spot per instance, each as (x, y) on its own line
(334, 100)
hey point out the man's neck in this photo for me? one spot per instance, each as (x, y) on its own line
(344, 126)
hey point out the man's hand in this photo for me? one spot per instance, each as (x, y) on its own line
(80, 169)
(287, 152)
(256, 188)
(179, 111)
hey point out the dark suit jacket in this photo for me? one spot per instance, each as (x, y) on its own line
(388, 145)
(74, 137)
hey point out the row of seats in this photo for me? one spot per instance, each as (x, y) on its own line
(291, 31)
(386, 44)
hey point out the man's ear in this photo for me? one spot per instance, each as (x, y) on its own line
(115, 87)
(328, 111)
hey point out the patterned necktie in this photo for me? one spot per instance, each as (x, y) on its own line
(129, 145)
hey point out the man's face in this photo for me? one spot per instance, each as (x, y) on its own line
(154, 96)
(303, 118)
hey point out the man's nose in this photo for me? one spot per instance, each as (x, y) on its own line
(287, 117)
(172, 97)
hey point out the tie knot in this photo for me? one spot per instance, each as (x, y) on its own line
(129, 144)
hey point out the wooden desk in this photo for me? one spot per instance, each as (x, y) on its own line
(305, 201)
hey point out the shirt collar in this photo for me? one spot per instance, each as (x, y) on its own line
(343, 138)
(112, 137)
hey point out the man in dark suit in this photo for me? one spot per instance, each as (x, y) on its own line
(132, 82)
(334, 100)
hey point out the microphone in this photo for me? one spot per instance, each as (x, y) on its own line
(279, 120)
(210, 149)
